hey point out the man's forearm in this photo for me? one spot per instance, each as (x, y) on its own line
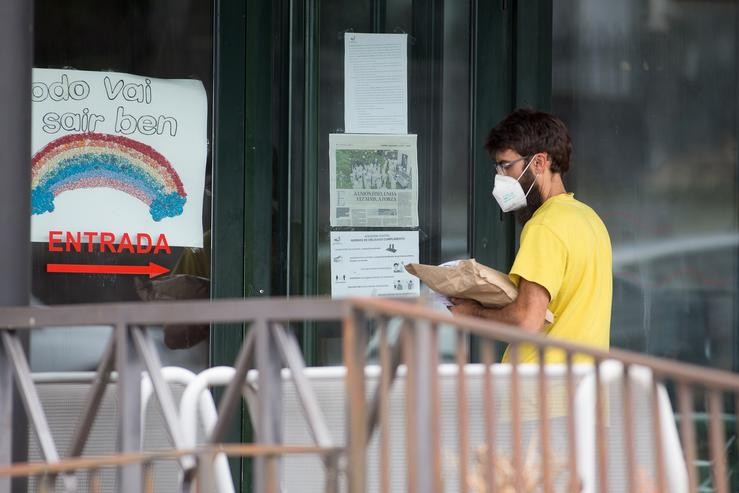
(512, 314)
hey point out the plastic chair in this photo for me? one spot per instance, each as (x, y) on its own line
(305, 474)
(196, 397)
(63, 395)
(611, 374)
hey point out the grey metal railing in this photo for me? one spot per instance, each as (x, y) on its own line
(269, 346)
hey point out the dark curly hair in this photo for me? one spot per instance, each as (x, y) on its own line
(527, 132)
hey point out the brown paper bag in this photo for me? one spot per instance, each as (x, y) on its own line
(471, 280)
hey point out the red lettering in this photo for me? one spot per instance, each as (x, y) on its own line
(54, 236)
(125, 244)
(106, 240)
(90, 235)
(140, 237)
(162, 244)
(73, 242)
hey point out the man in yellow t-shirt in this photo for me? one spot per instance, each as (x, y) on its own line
(564, 259)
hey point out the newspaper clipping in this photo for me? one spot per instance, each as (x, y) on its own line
(374, 180)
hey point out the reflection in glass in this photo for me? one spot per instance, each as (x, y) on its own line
(649, 91)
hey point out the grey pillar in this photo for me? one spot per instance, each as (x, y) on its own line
(16, 22)
(16, 27)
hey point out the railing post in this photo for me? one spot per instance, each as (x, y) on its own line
(423, 408)
(129, 368)
(269, 406)
(6, 415)
(354, 339)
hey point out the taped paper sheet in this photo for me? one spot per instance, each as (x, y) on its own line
(372, 263)
(376, 83)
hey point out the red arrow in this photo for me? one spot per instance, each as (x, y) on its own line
(152, 270)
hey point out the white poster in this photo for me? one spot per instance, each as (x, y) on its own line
(374, 180)
(372, 263)
(118, 153)
(376, 83)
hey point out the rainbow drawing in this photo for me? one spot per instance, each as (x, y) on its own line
(96, 160)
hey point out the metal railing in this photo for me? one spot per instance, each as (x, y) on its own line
(413, 356)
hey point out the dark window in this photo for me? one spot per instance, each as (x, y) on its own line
(163, 39)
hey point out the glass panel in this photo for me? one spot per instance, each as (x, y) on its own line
(649, 91)
(455, 149)
(439, 113)
(166, 39)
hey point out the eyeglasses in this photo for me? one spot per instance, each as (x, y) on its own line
(500, 168)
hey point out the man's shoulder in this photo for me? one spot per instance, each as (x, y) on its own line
(588, 215)
(566, 217)
(566, 206)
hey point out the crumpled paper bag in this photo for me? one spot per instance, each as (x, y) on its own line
(471, 280)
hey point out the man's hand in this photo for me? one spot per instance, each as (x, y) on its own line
(464, 306)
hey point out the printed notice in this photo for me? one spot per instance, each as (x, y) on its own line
(376, 83)
(374, 180)
(119, 153)
(372, 263)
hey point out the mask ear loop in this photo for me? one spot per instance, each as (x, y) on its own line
(524, 171)
(532, 186)
(527, 167)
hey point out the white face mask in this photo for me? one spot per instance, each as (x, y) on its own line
(508, 191)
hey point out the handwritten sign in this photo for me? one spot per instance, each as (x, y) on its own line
(119, 153)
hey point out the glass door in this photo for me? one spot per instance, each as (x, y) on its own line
(439, 112)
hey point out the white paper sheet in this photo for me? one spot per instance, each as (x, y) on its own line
(376, 83)
(143, 123)
(372, 263)
(374, 180)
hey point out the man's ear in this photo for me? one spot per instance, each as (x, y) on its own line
(541, 162)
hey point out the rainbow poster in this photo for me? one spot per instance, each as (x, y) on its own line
(118, 152)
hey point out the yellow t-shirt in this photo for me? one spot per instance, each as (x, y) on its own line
(565, 248)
